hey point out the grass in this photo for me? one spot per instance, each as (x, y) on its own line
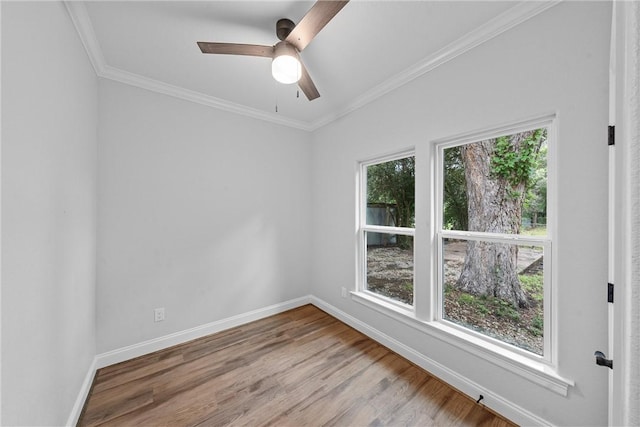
(485, 305)
(536, 231)
(533, 285)
(520, 326)
(523, 327)
(537, 326)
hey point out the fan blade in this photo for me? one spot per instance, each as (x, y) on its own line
(306, 84)
(310, 25)
(236, 49)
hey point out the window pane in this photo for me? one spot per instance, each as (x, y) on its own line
(391, 193)
(496, 289)
(390, 266)
(497, 185)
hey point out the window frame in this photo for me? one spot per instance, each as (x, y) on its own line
(549, 356)
(364, 228)
(424, 315)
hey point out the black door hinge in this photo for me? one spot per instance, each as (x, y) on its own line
(612, 135)
(609, 292)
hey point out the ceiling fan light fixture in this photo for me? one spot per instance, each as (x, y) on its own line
(285, 66)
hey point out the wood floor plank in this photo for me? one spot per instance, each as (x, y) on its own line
(301, 367)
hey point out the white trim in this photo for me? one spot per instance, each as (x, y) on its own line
(493, 28)
(530, 123)
(158, 86)
(493, 401)
(383, 229)
(80, 18)
(362, 228)
(512, 17)
(76, 411)
(536, 371)
(548, 121)
(388, 157)
(155, 344)
(514, 239)
(611, 212)
(1, 240)
(626, 341)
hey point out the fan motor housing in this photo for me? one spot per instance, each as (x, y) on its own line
(284, 27)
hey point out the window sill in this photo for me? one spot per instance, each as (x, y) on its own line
(536, 371)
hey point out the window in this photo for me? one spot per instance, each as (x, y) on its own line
(493, 246)
(387, 218)
(482, 246)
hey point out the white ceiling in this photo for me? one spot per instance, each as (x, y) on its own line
(369, 48)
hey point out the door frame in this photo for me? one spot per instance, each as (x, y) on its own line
(624, 385)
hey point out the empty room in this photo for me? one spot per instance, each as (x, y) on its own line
(320, 213)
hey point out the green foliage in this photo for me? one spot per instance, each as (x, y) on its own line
(517, 162)
(536, 231)
(535, 202)
(485, 305)
(393, 183)
(448, 289)
(505, 309)
(479, 304)
(537, 326)
(467, 299)
(533, 285)
(523, 163)
(456, 216)
(483, 309)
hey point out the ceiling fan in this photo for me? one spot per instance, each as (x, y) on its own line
(286, 65)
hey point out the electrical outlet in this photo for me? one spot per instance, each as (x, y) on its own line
(344, 292)
(158, 314)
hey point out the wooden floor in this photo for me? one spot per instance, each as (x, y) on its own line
(299, 368)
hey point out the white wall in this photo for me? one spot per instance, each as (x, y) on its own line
(555, 62)
(202, 212)
(49, 146)
(207, 213)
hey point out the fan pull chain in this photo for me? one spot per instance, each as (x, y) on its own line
(298, 72)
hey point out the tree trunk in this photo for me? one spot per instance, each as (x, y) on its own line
(494, 206)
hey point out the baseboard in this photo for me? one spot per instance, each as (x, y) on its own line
(493, 401)
(76, 411)
(160, 343)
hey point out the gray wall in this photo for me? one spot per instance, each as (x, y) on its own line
(210, 214)
(49, 145)
(557, 62)
(202, 212)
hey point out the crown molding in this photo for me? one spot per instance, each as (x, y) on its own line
(80, 18)
(498, 25)
(158, 86)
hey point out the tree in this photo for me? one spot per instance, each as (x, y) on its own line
(455, 191)
(393, 183)
(535, 203)
(498, 173)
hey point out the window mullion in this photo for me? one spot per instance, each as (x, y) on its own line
(389, 230)
(493, 237)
